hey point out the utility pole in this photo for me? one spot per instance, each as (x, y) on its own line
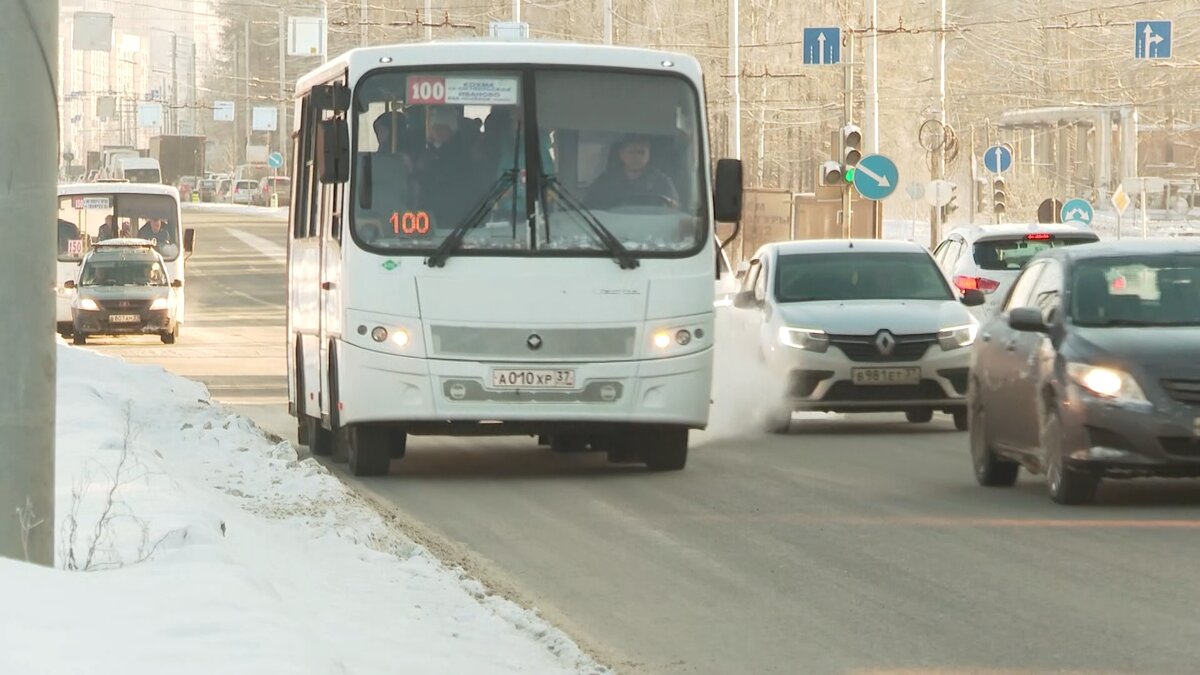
(735, 89)
(871, 114)
(364, 16)
(608, 22)
(175, 83)
(516, 10)
(847, 119)
(428, 20)
(281, 130)
(940, 158)
(27, 195)
(248, 123)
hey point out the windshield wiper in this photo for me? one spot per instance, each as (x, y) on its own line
(478, 215)
(621, 255)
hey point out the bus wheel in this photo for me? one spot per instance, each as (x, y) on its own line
(663, 448)
(368, 449)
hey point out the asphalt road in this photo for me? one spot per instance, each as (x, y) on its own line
(848, 546)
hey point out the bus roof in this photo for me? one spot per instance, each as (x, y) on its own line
(117, 188)
(493, 51)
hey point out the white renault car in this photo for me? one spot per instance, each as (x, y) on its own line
(858, 326)
(988, 258)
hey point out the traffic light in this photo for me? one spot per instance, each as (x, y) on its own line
(952, 205)
(999, 195)
(831, 173)
(981, 195)
(851, 150)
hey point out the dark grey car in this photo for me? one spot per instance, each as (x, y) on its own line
(1091, 370)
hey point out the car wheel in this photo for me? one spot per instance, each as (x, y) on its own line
(919, 416)
(779, 422)
(662, 449)
(990, 469)
(1066, 486)
(961, 421)
(368, 449)
(170, 336)
(79, 338)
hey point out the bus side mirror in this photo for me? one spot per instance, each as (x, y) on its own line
(189, 240)
(333, 151)
(742, 268)
(727, 192)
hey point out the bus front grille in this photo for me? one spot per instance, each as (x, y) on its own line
(531, 343)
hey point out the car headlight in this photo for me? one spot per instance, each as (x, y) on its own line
(1105, 382)
(159, 303)
(88, 305)
(804, 338)
(956, 337)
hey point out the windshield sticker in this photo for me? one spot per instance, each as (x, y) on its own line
(92, 202)
(75, 247)
(425, 90)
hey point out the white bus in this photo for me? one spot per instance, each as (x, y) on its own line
(503, 238)
(90, 212)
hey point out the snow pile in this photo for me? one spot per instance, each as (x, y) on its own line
(211, 548)
(236, 209)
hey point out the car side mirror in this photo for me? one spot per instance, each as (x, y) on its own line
(742, 268)
(727, 192)
(333, 151)
(973, 297)
(189, 240)
(69, 283)
(178, 283)
(1027, 319)
(745, 300)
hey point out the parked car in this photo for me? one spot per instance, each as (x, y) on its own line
(224, 186)
(858, 326)
(242, 192)
(279, 185)
(988, 258)
(1092, 370)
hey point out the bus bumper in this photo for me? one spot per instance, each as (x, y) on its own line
(376, 387)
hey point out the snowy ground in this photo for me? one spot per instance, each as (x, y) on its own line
(236, 209)
(190, 542)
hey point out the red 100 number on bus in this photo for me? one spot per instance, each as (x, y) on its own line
(426, 90)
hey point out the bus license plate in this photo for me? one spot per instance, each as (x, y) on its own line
(872, 376)
(517, 378)
(124, 318)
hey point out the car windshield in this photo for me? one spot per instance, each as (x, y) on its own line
(85, 219)
(106, 271)
(1156, 290)
(1014, 253)
(618, 149)
(810, 277)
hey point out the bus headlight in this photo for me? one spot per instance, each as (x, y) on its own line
(662, 339)
(400, 337)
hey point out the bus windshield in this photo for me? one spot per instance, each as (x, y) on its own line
(83, 219)
(617, 150)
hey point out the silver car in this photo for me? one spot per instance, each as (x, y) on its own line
(856, 326)
(988, 258)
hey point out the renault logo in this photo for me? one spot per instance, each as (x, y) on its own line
(534, 342)
(885, 342)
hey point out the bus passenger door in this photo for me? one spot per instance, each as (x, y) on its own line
(332, 210)
(304, 263)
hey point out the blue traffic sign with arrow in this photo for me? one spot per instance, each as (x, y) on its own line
(997, 159)
(822, 46)
(876, 177)
(275, 160)
(1152, 40)
(1077, 210)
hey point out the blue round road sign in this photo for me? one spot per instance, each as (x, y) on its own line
(275, 160)
(876, 177)
(997, 159)
(1077, 210)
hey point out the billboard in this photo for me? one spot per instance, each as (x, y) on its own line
(223, 111)
(149, 115)
(265, 118)
(92, 31)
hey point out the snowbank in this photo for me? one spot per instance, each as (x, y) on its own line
(236, 209)
(211, 548)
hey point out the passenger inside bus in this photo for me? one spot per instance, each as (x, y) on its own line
(442, 167)
(630, 180)
(108, 230)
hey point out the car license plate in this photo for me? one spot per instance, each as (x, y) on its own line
(873, 376)
(124, 318)
(518, 378)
